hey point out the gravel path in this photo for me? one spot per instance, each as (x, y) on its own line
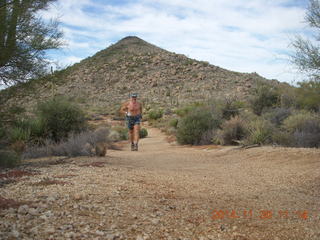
(165, 191)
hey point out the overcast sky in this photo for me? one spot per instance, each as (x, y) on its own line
(240, 35)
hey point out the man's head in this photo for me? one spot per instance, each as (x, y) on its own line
(134, 96)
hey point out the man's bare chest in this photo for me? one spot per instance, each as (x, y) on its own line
(133, 106)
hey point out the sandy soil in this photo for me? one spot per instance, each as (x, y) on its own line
(165, 191)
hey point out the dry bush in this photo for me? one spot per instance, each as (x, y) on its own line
(308, 134)
(18, 146)
(283, 138)
(114, 136)
(207, 136)
(297, 120)
(277, 115)
(101, 149)
(304, 129)
(82, 144)
(232, 131)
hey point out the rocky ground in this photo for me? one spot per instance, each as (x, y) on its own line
(166, 191)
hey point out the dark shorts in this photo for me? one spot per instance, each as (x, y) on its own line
(133, 120)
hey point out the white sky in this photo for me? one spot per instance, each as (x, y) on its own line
(239, 35)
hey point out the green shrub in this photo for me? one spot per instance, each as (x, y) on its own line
(60, 118)
(143, 133)
(37, 128)
(27, 130)
(183, 111)
(264, 97)
(173, 123)
(22, 122)
(19, 134)
(9, 158)
(232, 131)
(308, 95)
(122, 131)
(196, 125)
(155, 114)
(297, 120)
(259, 132)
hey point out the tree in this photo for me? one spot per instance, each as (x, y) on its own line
(24, 39)
(307, 58)
(307, 52)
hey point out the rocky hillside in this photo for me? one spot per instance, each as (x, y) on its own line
(101, 82)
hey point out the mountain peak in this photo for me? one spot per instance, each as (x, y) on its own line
(161, 78)
(131, 40)
(134, 45)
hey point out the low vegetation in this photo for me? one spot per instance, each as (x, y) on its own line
(58, 117)
(143, 133)
(278, 116)
(231, 132)
(57, 127)
(198, 125)
(8, 158)
(87, 143)
(120, 133)
(155, 114)
(264, 97)
(303, 128)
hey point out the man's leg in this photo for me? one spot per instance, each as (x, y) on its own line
(130, 132)
(136, 130)
(131, 138)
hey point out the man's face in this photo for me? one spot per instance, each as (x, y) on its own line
(134, 99)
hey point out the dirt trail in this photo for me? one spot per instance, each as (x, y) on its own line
(166, 191)
(278, 186)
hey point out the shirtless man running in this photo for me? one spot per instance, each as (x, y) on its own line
(133, 111)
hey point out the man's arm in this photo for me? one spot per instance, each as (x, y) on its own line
(124, 108)
(140, 109)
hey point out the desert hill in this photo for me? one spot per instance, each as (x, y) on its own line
(101, 82)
